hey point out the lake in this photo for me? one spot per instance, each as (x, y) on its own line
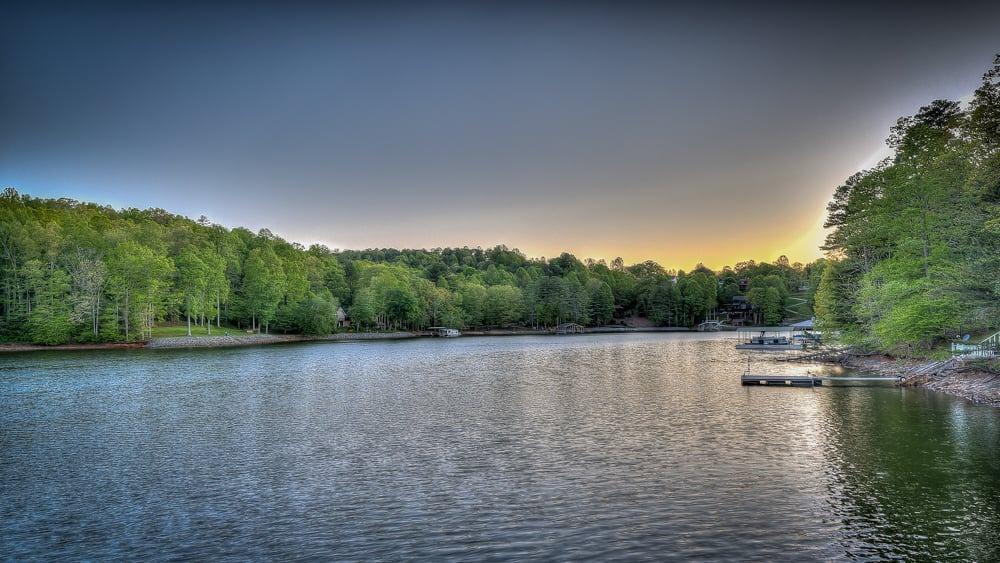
(609, 447)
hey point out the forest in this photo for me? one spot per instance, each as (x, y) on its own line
(81, 272)
(914, 245)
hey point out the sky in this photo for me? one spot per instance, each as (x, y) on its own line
(706, 132)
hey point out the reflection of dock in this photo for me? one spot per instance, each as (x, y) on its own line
(810, 380)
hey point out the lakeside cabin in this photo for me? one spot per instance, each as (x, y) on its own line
(738, 312)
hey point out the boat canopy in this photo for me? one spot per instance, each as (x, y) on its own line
(807, 324)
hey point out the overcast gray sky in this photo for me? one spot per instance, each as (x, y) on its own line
(711, 133)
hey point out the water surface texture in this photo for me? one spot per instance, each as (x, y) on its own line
(610, 447)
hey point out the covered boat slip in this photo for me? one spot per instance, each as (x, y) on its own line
(797, 336)
(768, 338)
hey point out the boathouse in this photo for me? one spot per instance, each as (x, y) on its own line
(569, 328)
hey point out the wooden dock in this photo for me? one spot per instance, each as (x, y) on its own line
(771, 347)
(783, 380)
(810, 380)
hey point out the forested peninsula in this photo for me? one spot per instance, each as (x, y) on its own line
(915, 241)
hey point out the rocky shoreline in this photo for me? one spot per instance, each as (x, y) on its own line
(975, 380)
(18, 347)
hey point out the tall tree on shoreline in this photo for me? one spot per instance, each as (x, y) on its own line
(137, 280)
(193, 277)
(89, 275)
(916, 255)
(263, 285)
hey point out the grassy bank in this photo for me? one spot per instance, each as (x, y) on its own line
(172, 330)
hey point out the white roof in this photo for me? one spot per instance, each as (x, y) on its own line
(806, 324)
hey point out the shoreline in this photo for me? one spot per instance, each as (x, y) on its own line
(18, 347)
(240, 340)
(956, 376)
(968, 379)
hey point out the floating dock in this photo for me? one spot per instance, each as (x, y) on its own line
(784, 380)
(774, 347)
(810, 380)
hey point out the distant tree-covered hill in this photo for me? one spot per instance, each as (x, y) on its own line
(81, 272)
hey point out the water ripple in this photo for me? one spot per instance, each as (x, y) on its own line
(604, 447)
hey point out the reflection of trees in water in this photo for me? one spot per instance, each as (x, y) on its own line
(913, 474)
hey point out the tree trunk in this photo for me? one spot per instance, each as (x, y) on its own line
(189, 322)
(927, 267)
(97, 314)
(126, 314)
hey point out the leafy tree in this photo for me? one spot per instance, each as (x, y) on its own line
(473, 300)
(834, 297)
(602, 302)
(217, 287)
(441, 306)
(193, 277)
(576, 300)
(263, 285)
(664, 303)
(49, 318)
(317, 316)
(138, 277)
(402, 306)
(549, 301)
(914, 252)
(502, 305)
(89, 281)
(366, 307)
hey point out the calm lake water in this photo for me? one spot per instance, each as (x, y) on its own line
(610, 447)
